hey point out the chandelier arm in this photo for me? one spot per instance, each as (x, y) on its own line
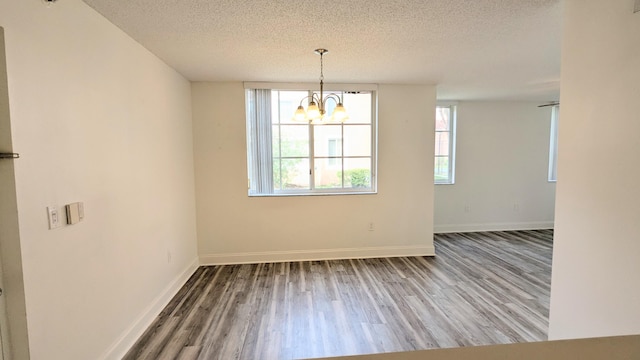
(312, 97)
(335, 97)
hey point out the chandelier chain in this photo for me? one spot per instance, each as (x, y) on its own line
(321, 68)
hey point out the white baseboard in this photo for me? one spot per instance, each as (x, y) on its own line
(148, 315)
(309, 255)
(449, 228)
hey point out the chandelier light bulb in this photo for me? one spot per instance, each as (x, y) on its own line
(313, 112)
(300, 115)
(340, 113)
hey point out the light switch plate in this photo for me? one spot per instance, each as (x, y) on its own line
(81, 210)
(54, 217)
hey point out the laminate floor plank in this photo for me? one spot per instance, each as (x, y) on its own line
(481, 289)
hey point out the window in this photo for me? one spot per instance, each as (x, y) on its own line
(444, 165)
(334, 148)
(553, 144)
(286, 157)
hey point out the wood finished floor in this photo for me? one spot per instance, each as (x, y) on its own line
(480, 289)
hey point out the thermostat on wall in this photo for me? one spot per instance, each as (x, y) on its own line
(75, 213)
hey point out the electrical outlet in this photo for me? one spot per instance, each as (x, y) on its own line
(54, 217)
(467, 208)
(371, 228)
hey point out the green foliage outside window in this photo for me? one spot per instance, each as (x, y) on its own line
(358, 178)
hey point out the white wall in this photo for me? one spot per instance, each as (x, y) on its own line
(596, 257)
(235, 228)
(96, 118)
(502, 161)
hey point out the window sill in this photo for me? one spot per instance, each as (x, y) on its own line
(316, 194)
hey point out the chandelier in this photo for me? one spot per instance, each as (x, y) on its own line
(316, 111)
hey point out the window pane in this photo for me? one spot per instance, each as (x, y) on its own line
(442, 143)
(553, 145)
(358, 107)
(292, 174)
(277, 175)
(335, 147)
(328, 173)
(443, 114)
(441, 169)
(357, 173)
(326, 139)
(335, 152)
(275, 141)
(285, 104)
(357, 140)
(294, 140)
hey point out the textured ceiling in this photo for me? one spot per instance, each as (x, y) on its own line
(480, 49)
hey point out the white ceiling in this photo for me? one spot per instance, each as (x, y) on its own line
(473, 50)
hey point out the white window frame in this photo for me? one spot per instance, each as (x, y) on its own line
(450, 180)
(553, 144)
(311, 157)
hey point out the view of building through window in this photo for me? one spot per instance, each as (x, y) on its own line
(444, 145)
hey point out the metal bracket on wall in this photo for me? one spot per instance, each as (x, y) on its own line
(9, 156)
